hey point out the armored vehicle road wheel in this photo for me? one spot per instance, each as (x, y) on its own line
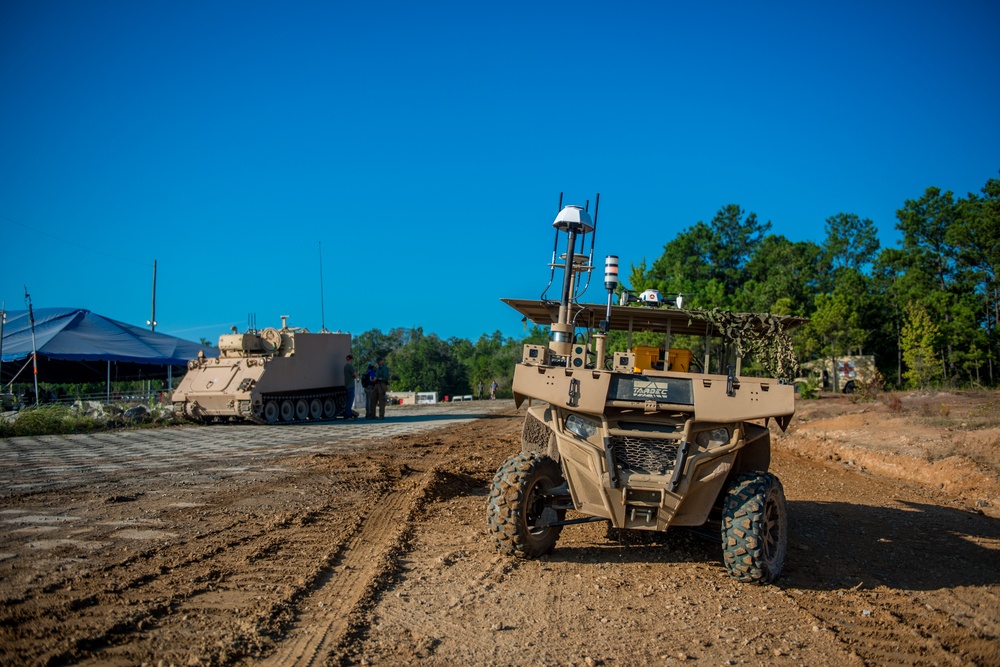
(520, 508)
(287, 410)
(271, 412)
(302, 409)
(315, 409)
(754, 528)
(329, 408)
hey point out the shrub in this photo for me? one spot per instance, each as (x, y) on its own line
(808, 389)
(869, 388)
(65, 419)
(47, 420)
(986, 416)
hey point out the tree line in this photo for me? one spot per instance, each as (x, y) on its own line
(452, 367)
(926, 310)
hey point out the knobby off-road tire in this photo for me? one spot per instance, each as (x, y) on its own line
(516, 505)
(754, 528)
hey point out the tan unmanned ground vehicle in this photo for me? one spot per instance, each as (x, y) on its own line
(648, 437)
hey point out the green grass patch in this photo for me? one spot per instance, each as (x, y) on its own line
(68, 419)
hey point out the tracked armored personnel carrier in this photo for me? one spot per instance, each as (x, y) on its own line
(644, 437)
(272, 376)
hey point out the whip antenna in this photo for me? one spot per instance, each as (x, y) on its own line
(593, 237)
(555, 249)
(322, 308)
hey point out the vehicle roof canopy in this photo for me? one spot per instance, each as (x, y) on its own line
(640, 318)
(76, 345)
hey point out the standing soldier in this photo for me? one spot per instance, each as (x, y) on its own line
(381, 386)
(349, 377)
(480, 390)
(368, 382)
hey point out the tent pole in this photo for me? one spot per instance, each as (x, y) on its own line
(152, 318)
(34, 350)
(3, 320)
(108, 385)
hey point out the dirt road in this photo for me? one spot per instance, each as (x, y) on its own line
(326, 545)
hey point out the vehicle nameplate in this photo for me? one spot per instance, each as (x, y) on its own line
(644, 388)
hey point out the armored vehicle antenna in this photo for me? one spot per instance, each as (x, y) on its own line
(322, 304)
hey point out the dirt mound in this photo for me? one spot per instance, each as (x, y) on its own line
(949, 442)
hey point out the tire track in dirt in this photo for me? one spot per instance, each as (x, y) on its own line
(239, 553)
(578, 604)
(334, 609)
(895, 574)
(887, 627)
(156, 591)
(255, 543)
(870, 625)
(963, 606)
(446, 581)
(269, 577)
(459, 601)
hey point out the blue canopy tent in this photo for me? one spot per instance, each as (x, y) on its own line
(75, 345)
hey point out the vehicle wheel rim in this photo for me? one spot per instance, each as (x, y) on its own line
(771, 529)
(535, 505)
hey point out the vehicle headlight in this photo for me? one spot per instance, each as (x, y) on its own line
(713, 438)
(581, 427)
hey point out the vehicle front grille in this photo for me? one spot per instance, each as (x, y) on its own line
(652, 456)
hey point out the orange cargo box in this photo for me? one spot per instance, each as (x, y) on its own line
(652, 358)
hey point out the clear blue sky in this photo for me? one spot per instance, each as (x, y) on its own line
(424, 145)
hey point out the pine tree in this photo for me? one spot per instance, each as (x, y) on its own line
(920, 335)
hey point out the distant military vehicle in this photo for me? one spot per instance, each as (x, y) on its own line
(271, 376)
(649, 437)
(842, 374)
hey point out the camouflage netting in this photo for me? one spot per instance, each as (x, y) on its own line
(760, 335)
